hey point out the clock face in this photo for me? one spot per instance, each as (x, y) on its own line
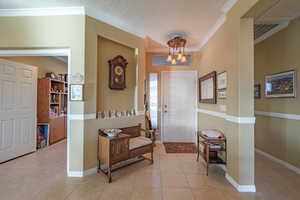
(119, 70)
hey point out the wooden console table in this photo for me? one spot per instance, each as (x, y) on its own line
(212, 147)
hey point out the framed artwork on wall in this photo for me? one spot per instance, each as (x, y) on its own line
(257, 94)
(281, 84)
(76, 92)
(222, 80)
(207, 88)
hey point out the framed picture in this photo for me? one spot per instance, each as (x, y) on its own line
(207, 88)
(257, 94)
(76, 92)
(281, 84)
(222, 81)
(221, 94)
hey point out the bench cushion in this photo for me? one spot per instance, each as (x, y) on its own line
(138, 142)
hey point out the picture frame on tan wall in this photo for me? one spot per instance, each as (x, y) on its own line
(222, 81)
(76, 92)
(281, 85)
(207, 88)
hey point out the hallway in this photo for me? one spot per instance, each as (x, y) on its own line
(42, 175)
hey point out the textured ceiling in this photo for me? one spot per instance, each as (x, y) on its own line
(152, 19)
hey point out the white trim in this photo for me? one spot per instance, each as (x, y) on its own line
(82, 173)
(286, 164)
(42, 11)
(140, 113)
(82, 116)
(278, 115)
(112, 21)
(231, 118)
(240, 188)
(36, 52)
(228, 5)
(272, 32)
(221, 20)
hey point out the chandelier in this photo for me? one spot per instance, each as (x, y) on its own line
(176, 50)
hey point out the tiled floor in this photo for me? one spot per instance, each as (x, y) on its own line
(42, 175)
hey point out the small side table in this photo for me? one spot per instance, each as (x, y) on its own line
(211, 150)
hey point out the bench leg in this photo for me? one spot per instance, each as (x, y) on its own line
(152, 157)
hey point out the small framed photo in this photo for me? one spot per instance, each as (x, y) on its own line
(221, 94)
(257, 94)
(76, 92)
(222, 81)
(281, 85)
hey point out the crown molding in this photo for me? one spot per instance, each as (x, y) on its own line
(42, 11)
(116, 23)
(228, 5)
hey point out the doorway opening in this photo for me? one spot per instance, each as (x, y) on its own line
(39, 89)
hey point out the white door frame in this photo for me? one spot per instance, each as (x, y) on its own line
(47, 52)
(162, 95)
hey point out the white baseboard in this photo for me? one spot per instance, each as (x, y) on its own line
(240, 188)
(286, 164)
(158, 142)
(82, 173)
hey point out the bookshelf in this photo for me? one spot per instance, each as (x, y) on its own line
(52, 107)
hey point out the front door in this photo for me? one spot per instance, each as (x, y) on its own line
(18, 93)
(179, 104)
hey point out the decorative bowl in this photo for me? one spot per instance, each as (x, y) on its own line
(112, 132)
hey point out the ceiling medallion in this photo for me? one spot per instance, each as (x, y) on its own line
(176, 50)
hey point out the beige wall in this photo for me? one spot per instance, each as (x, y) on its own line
(44, 64)
(119, 100)
(49, 32)
(230, 49)
(93, 29)
(276, 136)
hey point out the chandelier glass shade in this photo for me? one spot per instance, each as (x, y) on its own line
(176, 50)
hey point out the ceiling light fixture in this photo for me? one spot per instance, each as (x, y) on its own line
(176, 50)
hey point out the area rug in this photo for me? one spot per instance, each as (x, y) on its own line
(172, 147)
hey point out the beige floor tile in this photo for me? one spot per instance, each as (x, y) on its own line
(116, 193)
(207, 193)
(171, 180)
(177, 194)
(42, 176)
(146, 180)
(146, 194)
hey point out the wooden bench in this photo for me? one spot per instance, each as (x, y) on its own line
(125, 149)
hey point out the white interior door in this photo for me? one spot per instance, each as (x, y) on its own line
(179, 103)
(18, 99)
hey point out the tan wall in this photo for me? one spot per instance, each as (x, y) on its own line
(93, 29)
(44, 64)
(276, 136)
(44, 32)
(230, 49)
(119, 100)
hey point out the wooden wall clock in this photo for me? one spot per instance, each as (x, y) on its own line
(117, 73)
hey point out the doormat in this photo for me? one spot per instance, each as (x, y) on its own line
(174, 147)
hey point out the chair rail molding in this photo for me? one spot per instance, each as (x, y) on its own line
(231, 118)
(278, 115)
